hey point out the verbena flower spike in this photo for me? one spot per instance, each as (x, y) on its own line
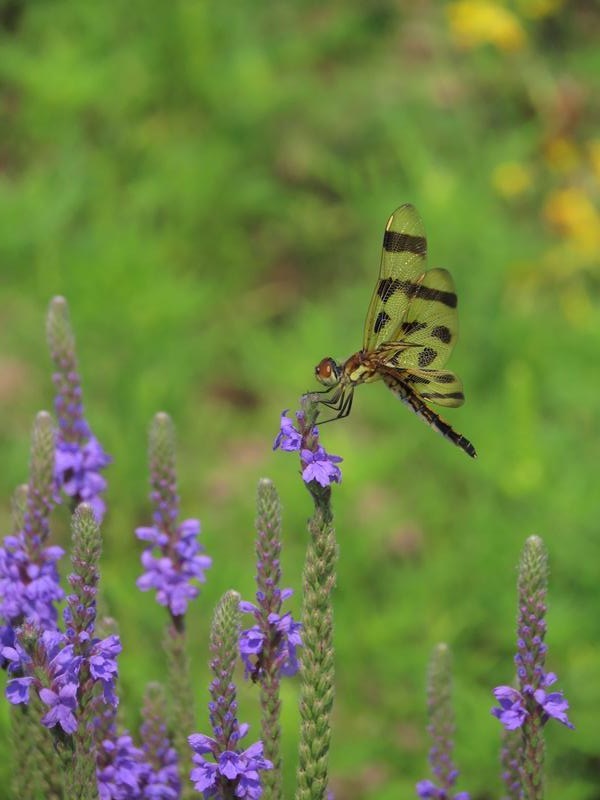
(79, 455)
(174, 566)
(163, 778)
(173, 560)
(441, 730)
(319, 471)
(29, 581)
(268, 649)
(529, 707)
(231, 772)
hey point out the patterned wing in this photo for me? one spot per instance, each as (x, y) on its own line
(403, 260)
(430, 322)
(436, 386)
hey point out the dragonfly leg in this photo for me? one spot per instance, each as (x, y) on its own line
(342, 403)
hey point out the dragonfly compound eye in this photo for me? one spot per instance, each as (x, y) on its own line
(327, 372)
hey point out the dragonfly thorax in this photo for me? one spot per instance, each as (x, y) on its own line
(328, 372)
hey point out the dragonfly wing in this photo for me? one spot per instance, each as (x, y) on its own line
(436, 386)
(403, 260)
(430, 323)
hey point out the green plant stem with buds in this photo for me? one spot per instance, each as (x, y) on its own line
(317, 660)
(86, 551)
(181, 704)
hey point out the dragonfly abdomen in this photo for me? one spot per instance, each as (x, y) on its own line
(428, 415)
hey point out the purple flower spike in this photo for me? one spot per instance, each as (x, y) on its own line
(79, 455)
(228, 772)
(173, 562)
(162, 782)
(529, 707)
(29, 580)
(441, 730)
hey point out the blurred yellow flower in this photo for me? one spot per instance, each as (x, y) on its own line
(511, 178)
(561, 154)
(573, 213)
(477, 22)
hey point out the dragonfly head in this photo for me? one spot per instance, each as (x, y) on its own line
(328, 372)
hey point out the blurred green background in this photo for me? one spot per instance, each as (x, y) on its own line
(208, 184)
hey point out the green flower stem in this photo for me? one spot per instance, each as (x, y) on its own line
(84, 581)
(80, 769)
(46, 766)
(181, 705)
(26, 777)
(317, 660)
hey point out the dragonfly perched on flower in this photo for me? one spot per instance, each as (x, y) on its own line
(410, 331)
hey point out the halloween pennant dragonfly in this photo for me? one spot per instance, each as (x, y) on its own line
(410, 331)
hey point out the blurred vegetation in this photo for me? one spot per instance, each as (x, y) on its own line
(207, 184)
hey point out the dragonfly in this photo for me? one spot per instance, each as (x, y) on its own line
(410, 331)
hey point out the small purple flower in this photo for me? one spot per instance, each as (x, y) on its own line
(102, 661)
(77, 472)
(511, 712)
(554, 704)
(288, 438)
(62, 704)
(17, 690)
(290, 639)
(321, 467)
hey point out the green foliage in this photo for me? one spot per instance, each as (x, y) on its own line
(207, 187)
